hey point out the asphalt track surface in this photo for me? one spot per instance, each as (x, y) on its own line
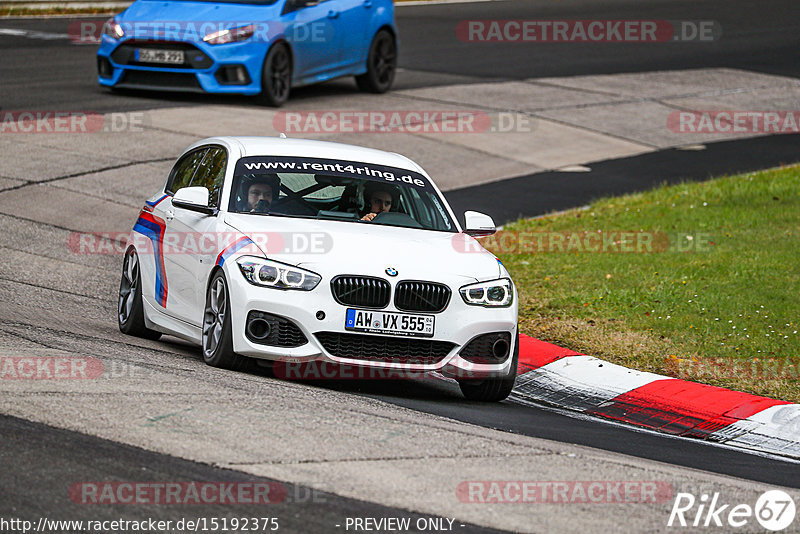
(546, 192)
(51, 74)
(54, 74)
(541, 423)
(29, 448)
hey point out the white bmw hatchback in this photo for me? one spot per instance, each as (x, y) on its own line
(307, 251)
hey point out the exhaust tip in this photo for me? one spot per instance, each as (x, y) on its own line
(258, 328)
(500, 349)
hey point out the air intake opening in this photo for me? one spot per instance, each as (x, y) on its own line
(104, 68)
(268, 329)
(232, 75)
(489, 348)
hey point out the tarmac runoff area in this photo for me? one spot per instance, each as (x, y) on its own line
(163, 398)
(462, 135)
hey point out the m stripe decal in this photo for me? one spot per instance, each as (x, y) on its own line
(232, 249)
(155, 202)
(153, 227)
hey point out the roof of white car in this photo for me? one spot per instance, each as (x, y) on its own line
(277, 146)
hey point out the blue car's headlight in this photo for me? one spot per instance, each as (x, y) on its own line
(268, 273)
(231, 35)
(492, 293)
(113, 29)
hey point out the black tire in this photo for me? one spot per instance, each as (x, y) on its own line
(217, 341)
(381, 64)
(276, 76)
(492, 389)
(130, 311)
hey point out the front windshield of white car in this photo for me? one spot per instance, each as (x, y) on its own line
(358, 192)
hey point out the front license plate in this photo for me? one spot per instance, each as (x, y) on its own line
(152, 55)
(377, 322)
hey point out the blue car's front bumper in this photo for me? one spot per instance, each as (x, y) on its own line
(226, 68)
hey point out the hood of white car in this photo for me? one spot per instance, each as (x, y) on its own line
(330, 248)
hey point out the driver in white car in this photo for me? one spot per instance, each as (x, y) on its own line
(380, 200)
(261, 191)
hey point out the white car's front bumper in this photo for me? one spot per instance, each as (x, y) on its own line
(458, 324)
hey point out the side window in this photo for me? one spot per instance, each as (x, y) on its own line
(211, 174)
(182, 173)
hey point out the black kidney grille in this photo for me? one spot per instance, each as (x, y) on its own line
(363, 291)
(431, 297)
(384, 349)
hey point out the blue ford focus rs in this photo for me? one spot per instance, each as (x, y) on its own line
(250, 47)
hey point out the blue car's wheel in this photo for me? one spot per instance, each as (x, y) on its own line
(276, 76)
(381, 64)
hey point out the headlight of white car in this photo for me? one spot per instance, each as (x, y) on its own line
(268, 273)
(492, 293)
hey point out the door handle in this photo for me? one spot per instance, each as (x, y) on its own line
(367, 4)
(169, 215)
(332, 14)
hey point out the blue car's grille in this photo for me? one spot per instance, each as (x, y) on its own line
(159, 80)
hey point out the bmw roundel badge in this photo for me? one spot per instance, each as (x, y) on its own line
(391, 271)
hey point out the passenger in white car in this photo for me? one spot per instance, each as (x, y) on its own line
(379, 199)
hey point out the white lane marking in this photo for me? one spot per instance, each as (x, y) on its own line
(30, 34)
(775, 429)
(581, 382)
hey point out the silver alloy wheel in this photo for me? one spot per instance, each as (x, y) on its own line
(214, 318)
(127, 289)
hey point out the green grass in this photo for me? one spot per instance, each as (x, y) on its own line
(718, 304)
